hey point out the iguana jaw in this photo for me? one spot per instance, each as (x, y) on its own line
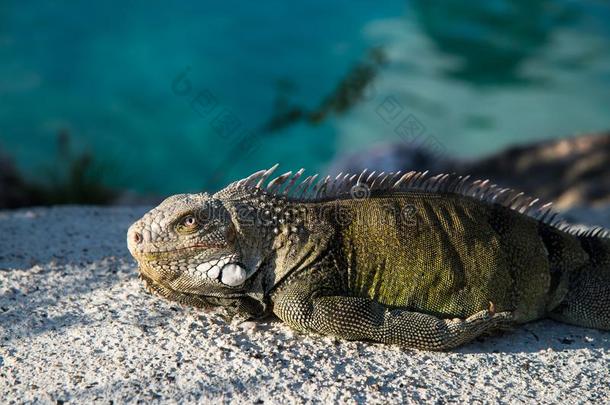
(184, 298)
(195, 269)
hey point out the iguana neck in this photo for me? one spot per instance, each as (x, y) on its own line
(277, 236)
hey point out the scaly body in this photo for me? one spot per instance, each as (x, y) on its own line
(415, 260)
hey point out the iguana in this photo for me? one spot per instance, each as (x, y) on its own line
(412, 259)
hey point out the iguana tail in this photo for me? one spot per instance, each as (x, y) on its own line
(587, 301)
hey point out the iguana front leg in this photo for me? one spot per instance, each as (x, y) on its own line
(356, 318)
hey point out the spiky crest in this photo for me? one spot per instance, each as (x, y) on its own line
(287, 185)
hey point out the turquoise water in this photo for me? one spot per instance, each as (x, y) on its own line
(475, 76)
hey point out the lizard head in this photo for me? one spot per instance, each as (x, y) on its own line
(188, 251)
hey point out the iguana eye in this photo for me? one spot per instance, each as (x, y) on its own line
(189, 221)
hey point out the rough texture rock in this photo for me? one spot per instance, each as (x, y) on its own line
(76, 325)
(570, 172)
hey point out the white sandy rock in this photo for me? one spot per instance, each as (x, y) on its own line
(76, 325)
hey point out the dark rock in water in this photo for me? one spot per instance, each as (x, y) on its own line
(13, 191)
(570, 172)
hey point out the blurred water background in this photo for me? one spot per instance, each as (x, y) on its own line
(175, 97)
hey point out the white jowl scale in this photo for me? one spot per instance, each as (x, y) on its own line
(233, 275)
(212, 269)
(214, 272)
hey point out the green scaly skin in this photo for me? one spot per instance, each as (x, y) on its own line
(424, 266)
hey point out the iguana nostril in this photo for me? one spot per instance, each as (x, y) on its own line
(137, 237)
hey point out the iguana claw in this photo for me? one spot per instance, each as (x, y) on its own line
(492, 308)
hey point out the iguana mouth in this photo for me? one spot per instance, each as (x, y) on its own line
(162, 254)
(204, 245)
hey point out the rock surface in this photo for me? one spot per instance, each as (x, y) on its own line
(570, 172)
(76, 325)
